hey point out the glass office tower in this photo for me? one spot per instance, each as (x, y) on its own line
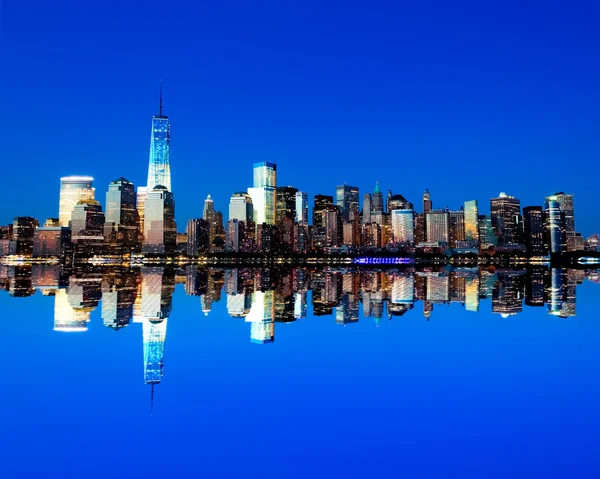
(471, 221)
(159, 168)
(346, 197)
(72, 190)
(263, 193)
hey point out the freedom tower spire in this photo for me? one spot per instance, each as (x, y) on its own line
(159, 167)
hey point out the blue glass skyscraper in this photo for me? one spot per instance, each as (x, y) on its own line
(159, 168)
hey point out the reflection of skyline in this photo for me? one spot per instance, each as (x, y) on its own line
(265, 297)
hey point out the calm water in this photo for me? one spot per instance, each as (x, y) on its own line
(299, 373)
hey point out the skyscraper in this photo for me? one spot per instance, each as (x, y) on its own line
(198, 237)
(142, 194)
(285, 203)
(403, 225)
(505, 212)
(533, 223)
(553, 226)
(565, 202)
(160, 229)
(159, 168)
(72, 190)
(366, 211)
(322, 203)
(346, 197)
(427, 203)
(377, 199)
(437, 222)
(471, 225)
(87, 227)
(302, 208)
(121, 212)
(263, 193)
(240, 207)
(456, 227)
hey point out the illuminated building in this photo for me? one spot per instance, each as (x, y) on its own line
(121, 226)
(346, 198)
(533, 228)
(72, 190)
(566, 207)
(398, 202)
(487, 237)
(403, 225)
(118, 296)
(235, 235)
(240, 207)
(438, 288)
(427, 203)
(456, 227)
(553, 227)
(160, 229)
(437, 226)
(302, 208)
(505, 212)
(263, 193)
(300, 305)
(23, 233)
(285, 204)
(471, 214)
(506, 295)
(159, 167)
(87, 227)
(322, 203)
(198, 237)
(347, 311)
(51, 241)
(377, 199)
(366, 211)
(141, 195)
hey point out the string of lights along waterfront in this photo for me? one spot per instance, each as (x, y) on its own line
(271, 220)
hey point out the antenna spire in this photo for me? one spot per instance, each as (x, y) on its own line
(160, 109)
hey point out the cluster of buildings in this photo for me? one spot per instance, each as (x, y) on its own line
(271, 219)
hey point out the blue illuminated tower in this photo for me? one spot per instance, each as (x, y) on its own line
(159, 167)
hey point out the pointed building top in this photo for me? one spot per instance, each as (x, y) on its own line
(376, 187)
(160, 106)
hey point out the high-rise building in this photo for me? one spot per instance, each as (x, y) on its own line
(240, 207)
(487, 236)
(198, 237)
(456, 227)
(234, 235)
(159, 168)
(398, 202)
(471, 222)
(209, 214)
(377, 199)
(285, 203)
(366, 211)
(23, 232)
(51, 241)
(302, 208)
(553, 226)
(87, 227)
(533, 223)
(121, 212)
(505, 212)
(72, 190)
(346, 197)
(565, 202)
(322, 203)
(437, 222)
(160, 229)
(142, 194)
(427, 203)
(403, 225)
(263, 193)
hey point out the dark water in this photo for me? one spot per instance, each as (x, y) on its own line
(299, 373)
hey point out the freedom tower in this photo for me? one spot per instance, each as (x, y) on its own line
(159, 168)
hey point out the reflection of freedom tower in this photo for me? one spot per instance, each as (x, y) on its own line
(157, 293)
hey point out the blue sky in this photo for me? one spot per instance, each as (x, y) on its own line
(464, 98)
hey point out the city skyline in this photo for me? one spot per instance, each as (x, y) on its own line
(405, 107)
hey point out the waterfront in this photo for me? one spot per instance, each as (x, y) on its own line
(441, 372)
